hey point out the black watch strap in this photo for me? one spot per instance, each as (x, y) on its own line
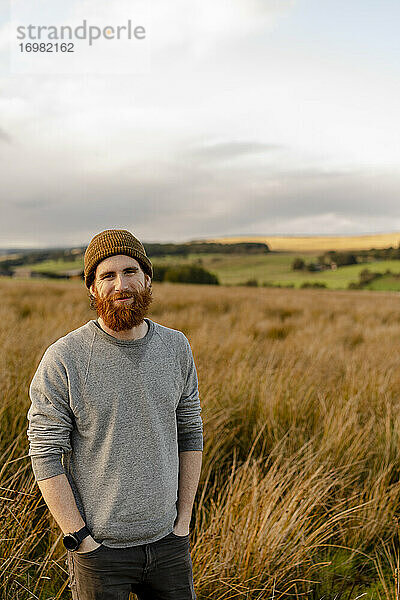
(82, 533)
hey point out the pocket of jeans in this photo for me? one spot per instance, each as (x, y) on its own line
(91, 552)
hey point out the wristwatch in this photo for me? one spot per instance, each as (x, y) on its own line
(72, 541)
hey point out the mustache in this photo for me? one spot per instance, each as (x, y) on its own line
(122, 297)
(127, 295)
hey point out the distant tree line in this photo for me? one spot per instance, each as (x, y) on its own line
(205, 248)
(390, 253)
(31, 257)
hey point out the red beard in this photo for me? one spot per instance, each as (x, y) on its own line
(120, 316)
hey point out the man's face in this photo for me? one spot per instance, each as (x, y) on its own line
(122, 292)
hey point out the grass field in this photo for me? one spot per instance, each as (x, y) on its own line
(384, 284)
(299, 492)
(322, 243)
(277, 269)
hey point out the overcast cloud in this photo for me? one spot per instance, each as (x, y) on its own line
(255, 117)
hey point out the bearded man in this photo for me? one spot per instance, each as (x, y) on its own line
(116, 435)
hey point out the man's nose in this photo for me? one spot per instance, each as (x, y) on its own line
(121, 283)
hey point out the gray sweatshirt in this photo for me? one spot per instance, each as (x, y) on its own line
(113, 415)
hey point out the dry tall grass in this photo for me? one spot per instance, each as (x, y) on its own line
(300, 479)
(319, 243)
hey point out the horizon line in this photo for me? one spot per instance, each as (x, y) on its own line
(215, 237)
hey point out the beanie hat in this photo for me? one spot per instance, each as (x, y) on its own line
(111, 242)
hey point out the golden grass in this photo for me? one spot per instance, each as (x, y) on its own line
(319, 243)
(300, 397)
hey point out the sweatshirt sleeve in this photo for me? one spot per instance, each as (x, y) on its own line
(50, 417)
(189, 422)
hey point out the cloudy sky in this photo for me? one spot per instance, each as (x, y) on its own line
(252, 117)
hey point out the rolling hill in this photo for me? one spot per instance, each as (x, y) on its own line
(318, 243)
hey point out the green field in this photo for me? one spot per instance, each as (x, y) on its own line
(53, 266)
(275, 269)
(385, 284)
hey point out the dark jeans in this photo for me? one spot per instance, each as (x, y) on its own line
(161, 570)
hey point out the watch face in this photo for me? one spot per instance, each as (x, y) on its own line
(70, 542)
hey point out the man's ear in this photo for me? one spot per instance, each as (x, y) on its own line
(91, 289)
(147, 279)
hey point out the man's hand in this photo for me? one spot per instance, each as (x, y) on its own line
(87, 545)
(181, 528)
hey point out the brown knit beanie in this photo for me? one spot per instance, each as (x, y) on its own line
(111, 242)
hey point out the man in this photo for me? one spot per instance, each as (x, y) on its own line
(116, 435)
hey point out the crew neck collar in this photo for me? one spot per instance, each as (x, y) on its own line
(95, 326)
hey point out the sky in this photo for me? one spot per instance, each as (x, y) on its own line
(255, 117)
